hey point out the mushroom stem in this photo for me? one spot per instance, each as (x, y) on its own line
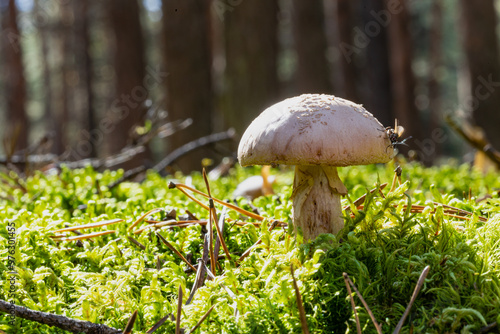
(316, 200)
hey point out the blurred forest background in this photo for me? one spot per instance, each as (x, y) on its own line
(137, 79)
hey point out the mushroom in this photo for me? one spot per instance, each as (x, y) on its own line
(316, 133)
(257, 185)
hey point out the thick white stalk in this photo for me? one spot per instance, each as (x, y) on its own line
(316, 201)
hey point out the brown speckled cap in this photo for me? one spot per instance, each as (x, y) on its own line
(314, 129)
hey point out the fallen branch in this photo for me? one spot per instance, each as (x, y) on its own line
(480, 144)
(59, 321)
(191, 146)
(176, 154)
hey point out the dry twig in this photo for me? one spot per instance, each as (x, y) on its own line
(419, 285)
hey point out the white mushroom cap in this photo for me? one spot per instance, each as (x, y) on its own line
(314, 129)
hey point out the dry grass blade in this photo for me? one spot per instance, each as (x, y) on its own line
(230, 206)
(358, 325)
(198, 324)
(488, 328)
(81, 227)
(137, 243)
(220, 231)
(302, 312)
(199, 278)
(370, 313)
(221, 238)
(130, 323)
(229, 292)
(211, 241)
(141, 218)
(83, 236)
(361, 200)
(158, 263)
(249, 250)
(173, 249)
(179, 311)
(448, 211)
(190, 197)
(212, 216)
(204, 173)
(200, 273)
(396, 180)
(156, 224)
(158, 324)
(419, 285)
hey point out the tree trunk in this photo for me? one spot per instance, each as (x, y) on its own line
(348, 47)
(251, 46)
(378, 98)
(186, 24)
(13, 75)
(480, 44)
(313, 74)
(131, 89)
(435, 63)
(402, 76)
(84, 106)
(43, 26)
(62, 89)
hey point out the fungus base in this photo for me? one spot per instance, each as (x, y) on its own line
(316, 201)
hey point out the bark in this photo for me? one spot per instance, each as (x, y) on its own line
(251, 47)
(349, 49)
(402, 76)
(13, 76)
(127, 108)
(313, 73)
(59, 321)
(435, 62)
(62, 89)
(42, 25)
(478, 22)
(84, 108)
(187, 59)
(377, 71)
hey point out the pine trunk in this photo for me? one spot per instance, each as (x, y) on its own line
(313, 74)
(128, 107)
(402, 76)
(251, 47)
(479, 22)
(187, 58)
(17, 130)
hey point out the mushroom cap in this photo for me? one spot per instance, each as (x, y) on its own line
(314, 129)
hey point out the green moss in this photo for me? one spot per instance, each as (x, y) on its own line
(383, 248)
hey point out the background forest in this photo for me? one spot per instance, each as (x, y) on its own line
(89, 79)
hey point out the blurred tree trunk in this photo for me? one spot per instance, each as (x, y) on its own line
(376, 69)
(251, 46)
(188, 61)
(61, 87)
(402, 76)
(84, 106)
(349, 48)
(17, 128)
(128, 107)
(43, 27)
(480, 44)
(313, 74)
(435, 63)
